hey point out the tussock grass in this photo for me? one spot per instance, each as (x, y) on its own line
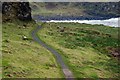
(84, 48)
(25, 58)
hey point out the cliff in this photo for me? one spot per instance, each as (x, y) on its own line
(76, 10)
(16, 10)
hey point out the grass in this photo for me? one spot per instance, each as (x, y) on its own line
(85, 48)
(25, 58)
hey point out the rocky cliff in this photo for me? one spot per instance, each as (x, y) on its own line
(76, 10)
(16, 10)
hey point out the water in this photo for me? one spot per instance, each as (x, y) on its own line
(113, 22)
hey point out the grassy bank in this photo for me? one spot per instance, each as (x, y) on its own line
(24, 58)
(89, 50)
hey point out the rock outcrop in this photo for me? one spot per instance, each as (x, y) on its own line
(76, 10)
(16, 10)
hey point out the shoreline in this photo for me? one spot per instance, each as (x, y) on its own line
(58, 17)
(112, 22)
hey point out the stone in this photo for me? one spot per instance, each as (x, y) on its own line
(24, 11)
(16, 10)
(24, 38)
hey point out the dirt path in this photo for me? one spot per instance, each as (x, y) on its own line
(68, 74)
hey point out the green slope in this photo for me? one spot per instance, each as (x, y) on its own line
(25, 58)
(87, 49)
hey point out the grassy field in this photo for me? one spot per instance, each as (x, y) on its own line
(25, 58)
(87, 49)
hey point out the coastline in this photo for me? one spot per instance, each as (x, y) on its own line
(112, 22)
(58, 17)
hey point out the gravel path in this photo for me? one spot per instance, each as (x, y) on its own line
(68, 74)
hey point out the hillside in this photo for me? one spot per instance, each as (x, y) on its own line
(22, 57)
(56, 50)
(80, 10)
(91, 51)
